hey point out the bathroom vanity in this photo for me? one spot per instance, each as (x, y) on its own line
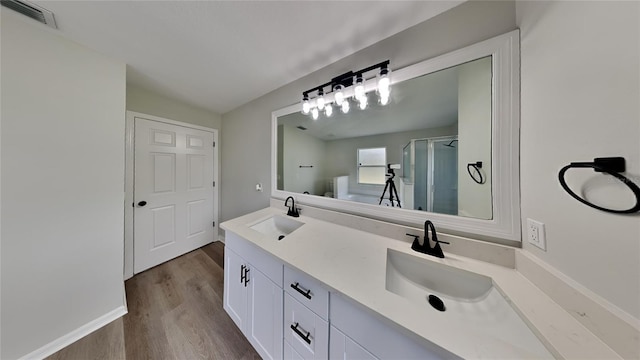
(341, 281)
(331, 291)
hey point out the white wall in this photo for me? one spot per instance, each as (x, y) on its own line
(63, 109)
(148, 102)
(580, 91)
(474, 137)
(302, 149)
(246, 131)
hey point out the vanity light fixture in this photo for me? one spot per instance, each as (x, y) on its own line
(337, 86)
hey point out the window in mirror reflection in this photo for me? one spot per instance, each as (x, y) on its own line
(433, 126)
(372, 165)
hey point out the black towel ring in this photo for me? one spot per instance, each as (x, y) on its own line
(612, 166)
(476, 166)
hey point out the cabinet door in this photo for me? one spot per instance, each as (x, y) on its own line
(264, 323)
(342, 347)
(235, 289)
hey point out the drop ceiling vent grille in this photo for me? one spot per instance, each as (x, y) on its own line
(33, 11)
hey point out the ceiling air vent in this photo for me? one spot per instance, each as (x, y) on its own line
(301, 127)
(31, 10)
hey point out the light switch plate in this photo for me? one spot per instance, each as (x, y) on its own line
(535, 234)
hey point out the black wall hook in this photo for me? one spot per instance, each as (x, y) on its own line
(476, 166)
(610, 165)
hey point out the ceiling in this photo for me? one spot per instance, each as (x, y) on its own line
(219, 55)
(420, 103)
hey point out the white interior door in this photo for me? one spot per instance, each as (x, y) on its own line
(173, 191)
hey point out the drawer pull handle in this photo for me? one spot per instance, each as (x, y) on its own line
(306, 294)
(301, 334)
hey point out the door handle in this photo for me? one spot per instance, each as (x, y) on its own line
(142, 203)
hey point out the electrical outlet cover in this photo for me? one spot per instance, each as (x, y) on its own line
(535, 234)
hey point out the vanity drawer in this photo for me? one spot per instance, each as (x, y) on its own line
(290, 354)
(305, 331)
(308, 291)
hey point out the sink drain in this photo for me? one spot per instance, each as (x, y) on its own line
(280, 237)
(436, 303)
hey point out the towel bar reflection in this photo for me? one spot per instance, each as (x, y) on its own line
(476, 166)
(612, 166)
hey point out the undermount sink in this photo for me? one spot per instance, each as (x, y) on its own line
(461, 296)
(276, 226)
(410, 277)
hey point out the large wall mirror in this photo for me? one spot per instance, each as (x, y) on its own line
(445, 148)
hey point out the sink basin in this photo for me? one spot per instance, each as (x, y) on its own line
(462, 297)
(276, 226)
(410, 276)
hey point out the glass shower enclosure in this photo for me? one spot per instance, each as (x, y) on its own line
(431, 165)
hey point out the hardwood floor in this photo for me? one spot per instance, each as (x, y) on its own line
(175, 312)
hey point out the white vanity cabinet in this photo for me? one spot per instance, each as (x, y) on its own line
(344, 348)
(253, 295)
(287, 314)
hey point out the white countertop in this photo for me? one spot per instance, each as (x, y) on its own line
(353, 263)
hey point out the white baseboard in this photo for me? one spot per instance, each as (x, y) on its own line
(77, 334)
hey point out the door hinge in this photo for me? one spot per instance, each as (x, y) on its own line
(214, 224)
(214, 183)
(214, 144)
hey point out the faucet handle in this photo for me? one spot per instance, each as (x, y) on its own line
(415, 237)
(439, 241)
(415, 245)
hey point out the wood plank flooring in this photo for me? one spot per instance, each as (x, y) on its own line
(175, 312)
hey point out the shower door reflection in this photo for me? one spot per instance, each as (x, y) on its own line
(435, 176)
(443, 173)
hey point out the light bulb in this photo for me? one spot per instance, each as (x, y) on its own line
(345, 106)
(305, 105)
(362, 102)
(339, 95)
(359, 88)
(320, 102)
(314, 113)
(328, 110)
(384, 99)
(384, 82)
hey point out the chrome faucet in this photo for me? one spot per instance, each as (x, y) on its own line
(293, 210)
(426, 248)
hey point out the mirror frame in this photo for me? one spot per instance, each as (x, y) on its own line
(505, 145)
